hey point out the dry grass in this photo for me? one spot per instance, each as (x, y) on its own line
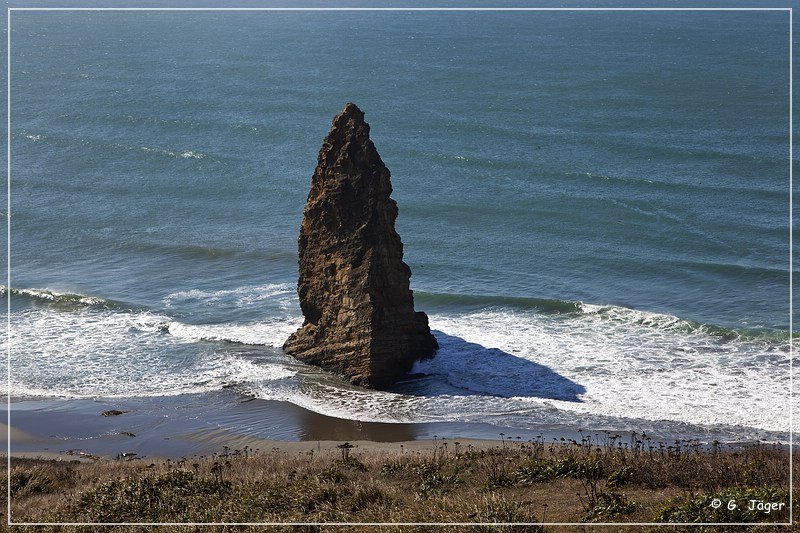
(595, 480)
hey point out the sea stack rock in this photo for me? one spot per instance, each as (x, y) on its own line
(353, 285)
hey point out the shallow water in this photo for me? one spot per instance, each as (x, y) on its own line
(594, 207)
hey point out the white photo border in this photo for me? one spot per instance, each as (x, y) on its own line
(9, 10)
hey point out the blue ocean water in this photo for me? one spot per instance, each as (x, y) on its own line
(594, 206)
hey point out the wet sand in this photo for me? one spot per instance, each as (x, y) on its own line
(185, 425)
(202, 424)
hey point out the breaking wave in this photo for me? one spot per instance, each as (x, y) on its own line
(613, 314)
(268, 333)
(59, 299)
(509, 361)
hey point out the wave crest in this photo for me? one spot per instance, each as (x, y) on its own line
(61, 299)
(270, 333)
(613, 314)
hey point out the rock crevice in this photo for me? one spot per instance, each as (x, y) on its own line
(353, 284)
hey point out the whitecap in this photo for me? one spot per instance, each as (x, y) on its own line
(628, 367)
(91, 352)
(272, 332)
(245, 296)
(185, 154)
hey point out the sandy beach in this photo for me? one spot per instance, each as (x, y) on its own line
(176, 426)
(204, 424)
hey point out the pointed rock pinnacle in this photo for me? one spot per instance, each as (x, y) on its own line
(353, 285)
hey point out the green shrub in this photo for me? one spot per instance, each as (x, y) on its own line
(534, 471)
(18, 481)
(501, 511)
(332, 475)
(425, 469)
(150, 497)
(578, 468)
(367, 497)
(703, 508)
(316, 498)
(352, 463)
(608, 506)
(392, 469)
(538, 470)
(39, 479)
(436, 483)
(620, 477)
(499, 480)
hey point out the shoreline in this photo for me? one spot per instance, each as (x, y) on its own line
(185, 425)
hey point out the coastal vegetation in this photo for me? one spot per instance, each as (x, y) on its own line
(600, 478)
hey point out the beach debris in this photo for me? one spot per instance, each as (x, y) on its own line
(113, 412)
(353, 285)
(91, 456)
(126, 456)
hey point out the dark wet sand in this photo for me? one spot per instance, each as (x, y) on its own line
(206, 423)
(185, 425)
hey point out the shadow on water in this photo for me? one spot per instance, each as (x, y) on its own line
(314, 426)
(463, 368)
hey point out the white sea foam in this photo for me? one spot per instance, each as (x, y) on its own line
(53, 296)
(268, 333)
(242, 296)
(42, 294)
(91, 353)
(522, 368)
(186, 154)
(519, 368)
(339, 400)
(631, 364)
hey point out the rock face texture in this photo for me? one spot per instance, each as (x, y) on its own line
(353, 285)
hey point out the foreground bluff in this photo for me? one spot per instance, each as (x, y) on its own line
(354, 286)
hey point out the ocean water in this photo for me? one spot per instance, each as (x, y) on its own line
(594, 206)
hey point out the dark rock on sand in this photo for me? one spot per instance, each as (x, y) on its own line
(354, 286)
(113, 412)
